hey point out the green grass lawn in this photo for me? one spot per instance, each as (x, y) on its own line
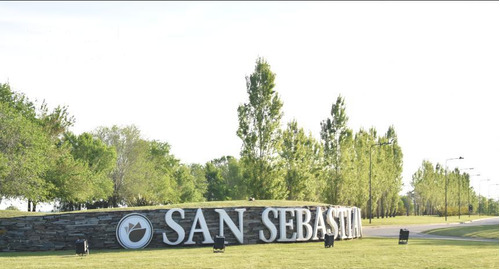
(14, 213)
(482, 231)
(405, 220)
(216, 204)
(360, 253)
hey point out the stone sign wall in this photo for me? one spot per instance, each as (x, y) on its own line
(60, 231)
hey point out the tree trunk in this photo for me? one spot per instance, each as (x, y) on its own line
(382, 208)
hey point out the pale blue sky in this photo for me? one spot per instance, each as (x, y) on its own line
(177, 70)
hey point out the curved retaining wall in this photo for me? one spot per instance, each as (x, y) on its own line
(291, 224)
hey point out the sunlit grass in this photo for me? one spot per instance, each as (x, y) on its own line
(215, 204)
(405, 220)
(14, 213)
(481, 231)
(359, 253)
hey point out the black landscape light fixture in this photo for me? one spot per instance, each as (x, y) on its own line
(329, 240)
(82, 247)
(370, 178)
(219, 244)
(403, 236)
(446, 185)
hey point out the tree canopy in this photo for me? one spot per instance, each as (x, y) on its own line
(42, 160)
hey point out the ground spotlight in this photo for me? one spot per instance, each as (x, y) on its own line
(329, 240)
(403, 236)
(219, 244)
(82, 247)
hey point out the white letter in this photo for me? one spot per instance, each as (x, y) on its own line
(269, 224)
(360, 232)
(319, 223)
(355, 222)
(330, 218)
(199, 218)
(348, 213)
(342, 223)
(284, 224)
(175, 226)
(301, 222)
(224, 217)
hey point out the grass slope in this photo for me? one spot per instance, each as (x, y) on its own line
(215, 204)
(481, 231)
(360, 253)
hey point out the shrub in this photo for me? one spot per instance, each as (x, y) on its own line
(13, 208)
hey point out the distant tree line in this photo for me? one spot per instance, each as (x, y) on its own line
(42, 161)
(430, 183)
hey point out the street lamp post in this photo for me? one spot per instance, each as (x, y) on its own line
(446, 186)
(370, 200)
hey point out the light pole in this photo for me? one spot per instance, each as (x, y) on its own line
(370, 204)
(446, 185)
(459, 186)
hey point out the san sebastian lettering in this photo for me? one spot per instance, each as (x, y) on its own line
(275, 224)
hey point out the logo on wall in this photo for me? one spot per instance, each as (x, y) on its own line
(134, 231)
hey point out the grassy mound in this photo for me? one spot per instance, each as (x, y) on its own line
(216, 204)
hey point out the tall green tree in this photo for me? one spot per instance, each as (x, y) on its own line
(333, 131)
(132, 171)
(25, 149)
(259, 129)
(362, 142)
(390, 166)
(24, 152)
(300, 154)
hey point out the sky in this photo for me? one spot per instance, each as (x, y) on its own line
(177, 71)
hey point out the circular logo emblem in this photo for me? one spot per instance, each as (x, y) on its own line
(134, 231)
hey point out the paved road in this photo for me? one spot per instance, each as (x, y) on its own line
(417, 229)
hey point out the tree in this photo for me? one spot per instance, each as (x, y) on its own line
(299, 153)
(165, 164)
(225, 180)
(25, 149)
(259, 129)
(362, 142)
(24, 155)
(39, 131)
(391, 168)
(98, 159)
(191, 183)
(333, 132)
(218, 188)
(133, 171)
